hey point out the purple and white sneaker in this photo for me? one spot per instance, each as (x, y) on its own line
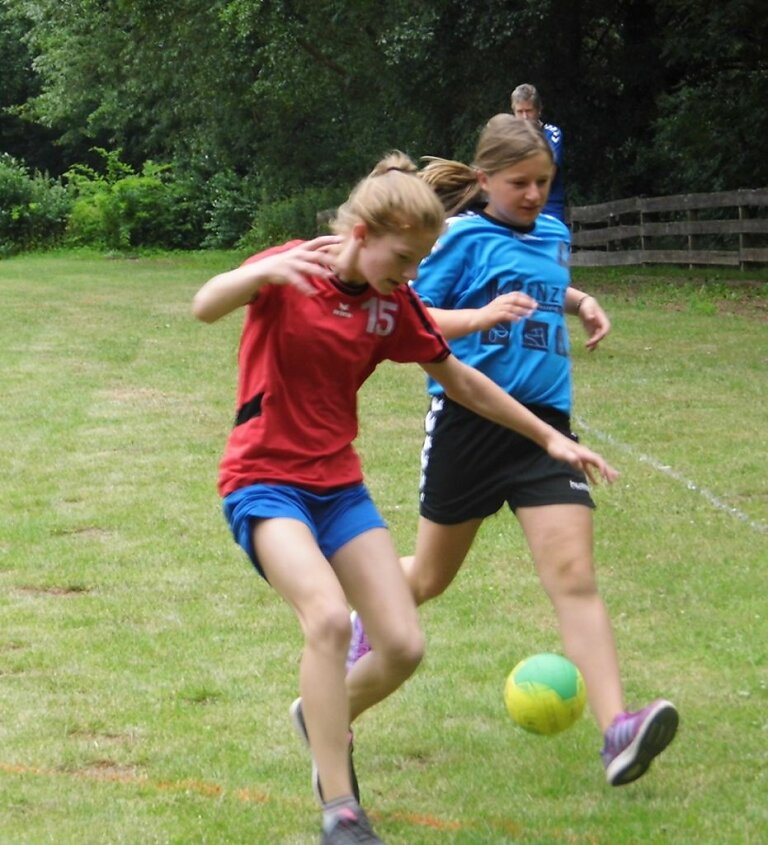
(634, 739)
(358, 643)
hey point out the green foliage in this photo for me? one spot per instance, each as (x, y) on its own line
(162, 81)
(119, 208)
(33, 208)
(20, 137)
(293, 94)
(294, 217)
(708, 124)
(226, 203)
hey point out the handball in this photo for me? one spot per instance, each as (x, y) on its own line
(545, 694)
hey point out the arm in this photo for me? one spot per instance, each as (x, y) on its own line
(510, 307)
(588, 310)
(507, 307)
(236, 288)
(477, 392)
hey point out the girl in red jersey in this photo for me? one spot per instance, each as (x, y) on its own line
(320, 315)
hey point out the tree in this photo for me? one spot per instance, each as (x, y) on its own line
(20, 137)
(285, 95)
(150, 78)
(713, 116)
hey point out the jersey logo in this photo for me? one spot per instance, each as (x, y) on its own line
(561, 347)
(498, 334)
(342, 310)
(535, 335)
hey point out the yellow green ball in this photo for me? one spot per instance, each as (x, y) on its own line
(545, 694)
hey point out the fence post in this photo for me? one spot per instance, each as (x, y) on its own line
(691, 216)
(741, 239)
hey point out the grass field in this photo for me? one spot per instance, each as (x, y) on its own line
(145, 671)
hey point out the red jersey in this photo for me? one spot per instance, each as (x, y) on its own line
(302, 361)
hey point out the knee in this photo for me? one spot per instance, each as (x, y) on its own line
(403, 649)
(427, 585)
(327, 627)
(573, 578)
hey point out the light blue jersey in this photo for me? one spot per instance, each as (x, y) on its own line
(474, 261)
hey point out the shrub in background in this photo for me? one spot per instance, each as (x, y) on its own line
(33, 208)
(293, 217)
(115, 207)
(120, 209)
(225, 202)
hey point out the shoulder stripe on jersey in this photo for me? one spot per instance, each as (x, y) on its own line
(421, 312)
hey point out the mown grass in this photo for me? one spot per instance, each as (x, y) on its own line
(145, 671)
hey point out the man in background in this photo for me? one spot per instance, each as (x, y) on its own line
(526, 103)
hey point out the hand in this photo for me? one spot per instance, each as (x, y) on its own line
(595, 322)
(506, 308)
(292, 267)
(594, 466)
(236, 288)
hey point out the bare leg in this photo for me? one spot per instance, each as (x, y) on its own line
(440, 552)
(369, 570)
(298, 571)
(560, 539)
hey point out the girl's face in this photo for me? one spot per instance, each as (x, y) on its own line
(391, 259)
(517, 193)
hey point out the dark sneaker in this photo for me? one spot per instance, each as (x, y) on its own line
(358, 644)
(634, 739)
(350, 827)
(297, 717)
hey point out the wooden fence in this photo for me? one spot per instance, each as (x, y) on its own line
(726, 229)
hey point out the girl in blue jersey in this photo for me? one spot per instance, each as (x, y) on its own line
(458, 190)
(477, 282)
(319, 317)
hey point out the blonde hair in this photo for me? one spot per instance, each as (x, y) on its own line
(454, 183)
(390, 200)
(507, 140)
(504, 141)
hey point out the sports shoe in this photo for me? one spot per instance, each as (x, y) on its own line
(358, 643)
(297, 717)
(634, 739)
(350, 827)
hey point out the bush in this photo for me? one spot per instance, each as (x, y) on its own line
(292, 217)
(33, 208)
(121, 209)
(225, 201)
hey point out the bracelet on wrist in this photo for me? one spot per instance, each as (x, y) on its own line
(581, 302)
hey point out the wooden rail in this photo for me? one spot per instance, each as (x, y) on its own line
(729, 228)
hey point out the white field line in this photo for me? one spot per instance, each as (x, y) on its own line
(713, 500)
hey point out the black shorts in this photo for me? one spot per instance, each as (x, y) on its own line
(471, 466)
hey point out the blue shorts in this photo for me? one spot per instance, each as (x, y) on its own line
(334, 518)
